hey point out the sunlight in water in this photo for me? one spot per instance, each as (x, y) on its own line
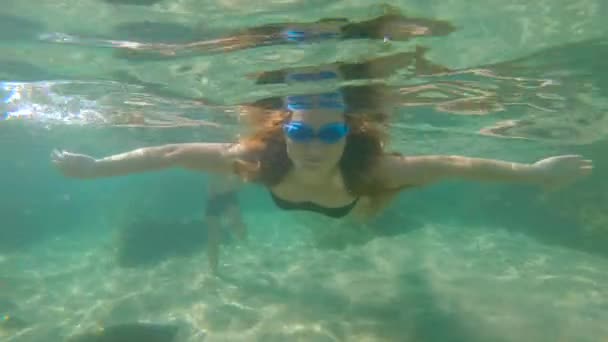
(140, 258)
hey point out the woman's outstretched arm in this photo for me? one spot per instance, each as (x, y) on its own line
(205, 157)
(555, 171)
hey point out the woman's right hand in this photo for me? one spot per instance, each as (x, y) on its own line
(559, 171)
(73, 165)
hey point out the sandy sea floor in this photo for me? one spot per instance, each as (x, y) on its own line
(437, 283)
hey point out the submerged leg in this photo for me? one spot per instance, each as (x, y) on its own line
(222, 202)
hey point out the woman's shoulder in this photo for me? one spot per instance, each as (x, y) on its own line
(238, 150)
(243, 154)
(384, 173)
(387, 162)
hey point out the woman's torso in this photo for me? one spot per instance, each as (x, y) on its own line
(332, 198)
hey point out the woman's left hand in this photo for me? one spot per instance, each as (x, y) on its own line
(559, 171)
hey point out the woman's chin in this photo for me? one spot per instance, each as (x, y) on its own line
(310, 165)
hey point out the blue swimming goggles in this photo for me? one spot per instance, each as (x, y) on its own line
(333, 100)
(296, 36)
(330, 133)
(312, 76)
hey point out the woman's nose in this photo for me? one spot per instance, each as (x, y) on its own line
(314, 147)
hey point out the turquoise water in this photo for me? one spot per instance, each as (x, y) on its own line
(453, 262)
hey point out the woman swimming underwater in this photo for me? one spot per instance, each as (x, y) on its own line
(315, 155)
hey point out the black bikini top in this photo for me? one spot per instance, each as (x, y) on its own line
(336, 212)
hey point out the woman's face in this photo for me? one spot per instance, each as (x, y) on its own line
(316, 139)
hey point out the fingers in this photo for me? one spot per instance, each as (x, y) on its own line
(572, 156)
(586, 170)
(584, 163)
(587, 165)
(60, 153)
(56, 155)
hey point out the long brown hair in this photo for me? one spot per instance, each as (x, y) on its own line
(269, 162)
